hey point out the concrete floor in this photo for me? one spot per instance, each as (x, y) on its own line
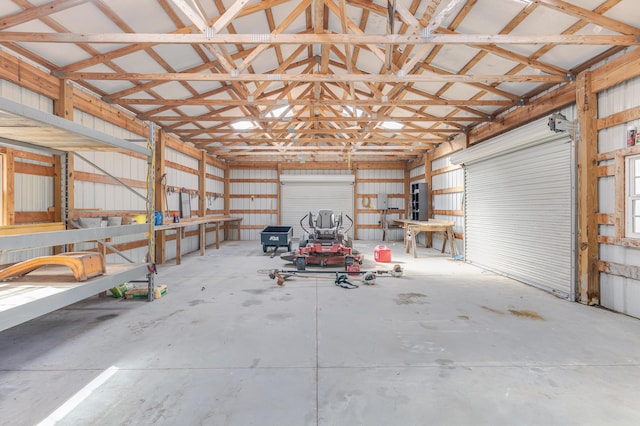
(446, 344)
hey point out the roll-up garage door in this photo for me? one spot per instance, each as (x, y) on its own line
(519, 207)
(301, 194)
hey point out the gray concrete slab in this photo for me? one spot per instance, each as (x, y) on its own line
(446, 344)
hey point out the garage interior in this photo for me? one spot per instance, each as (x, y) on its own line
(491, 146)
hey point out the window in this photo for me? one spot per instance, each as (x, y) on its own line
(633, 197)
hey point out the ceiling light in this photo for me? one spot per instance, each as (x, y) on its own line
(243, 125)
(349, 111)
(391, 125)
(277, 112)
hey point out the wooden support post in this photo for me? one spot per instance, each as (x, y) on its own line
(9, 182)
(407, 192)
(588, 279)
(161, 194)
(227, 200)
(428, 170)
(279, 192)
(202, 198)
(354, 170)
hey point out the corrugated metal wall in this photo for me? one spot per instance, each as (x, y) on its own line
(90, 195)
(618, 293)
(373, 182)
(444, 180)
(253, 196)
(32, 193)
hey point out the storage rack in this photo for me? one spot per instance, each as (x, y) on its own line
(419, 202)
(46, 290)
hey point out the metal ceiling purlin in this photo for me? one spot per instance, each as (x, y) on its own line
(456, 63)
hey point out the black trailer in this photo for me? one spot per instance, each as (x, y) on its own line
(276, 236)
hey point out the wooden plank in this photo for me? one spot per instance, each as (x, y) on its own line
(619, 118)
(180, 167)
(34, 169)
(107, 180)
(606, 219)
(619, 211)
(446, 169)
(452, 190)
(604, 171)
(587, 177)
(617, 71)
(32, 217)
(625, 271)
(31, 228)
(160, 195)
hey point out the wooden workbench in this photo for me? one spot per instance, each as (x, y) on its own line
(414, 227)
(202, 223)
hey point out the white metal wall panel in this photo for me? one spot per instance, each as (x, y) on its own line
(300, 198)
(390, 188)
(451, 201)
(25, 96)
(519, 213)
(254, 222)
(617, 293)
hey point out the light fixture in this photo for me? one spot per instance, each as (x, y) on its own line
(277, 112)
(391, 125)
(243, 125)
(349, 111)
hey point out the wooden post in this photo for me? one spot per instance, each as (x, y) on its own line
(354, 170)
(9, 188)
(428, 238)
(202, 199)
(160, 198)
(588, 279)
(227, 201)
(279, 192)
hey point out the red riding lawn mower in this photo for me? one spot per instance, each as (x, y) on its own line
(325, 243)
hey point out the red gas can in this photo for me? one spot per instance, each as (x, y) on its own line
(382, 254)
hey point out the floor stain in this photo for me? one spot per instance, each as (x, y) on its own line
(527, 314)
(279, 316)
(106, 317)
(257, 290)
(252, 302)
(495, 311)
(463, 317)
(411, 298)
(196, 302)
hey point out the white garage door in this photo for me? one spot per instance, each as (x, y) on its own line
(519, 207)
(302, 194)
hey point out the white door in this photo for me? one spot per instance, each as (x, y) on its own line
(519, 206)
(310, 193)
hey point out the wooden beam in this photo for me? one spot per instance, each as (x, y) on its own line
(587, 150)
(332, 78)
(545, 104)
(38, 12)
(354, 39)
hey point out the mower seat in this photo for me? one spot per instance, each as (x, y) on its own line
(326, 226)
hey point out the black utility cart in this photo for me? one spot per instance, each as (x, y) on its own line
(276, 236)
